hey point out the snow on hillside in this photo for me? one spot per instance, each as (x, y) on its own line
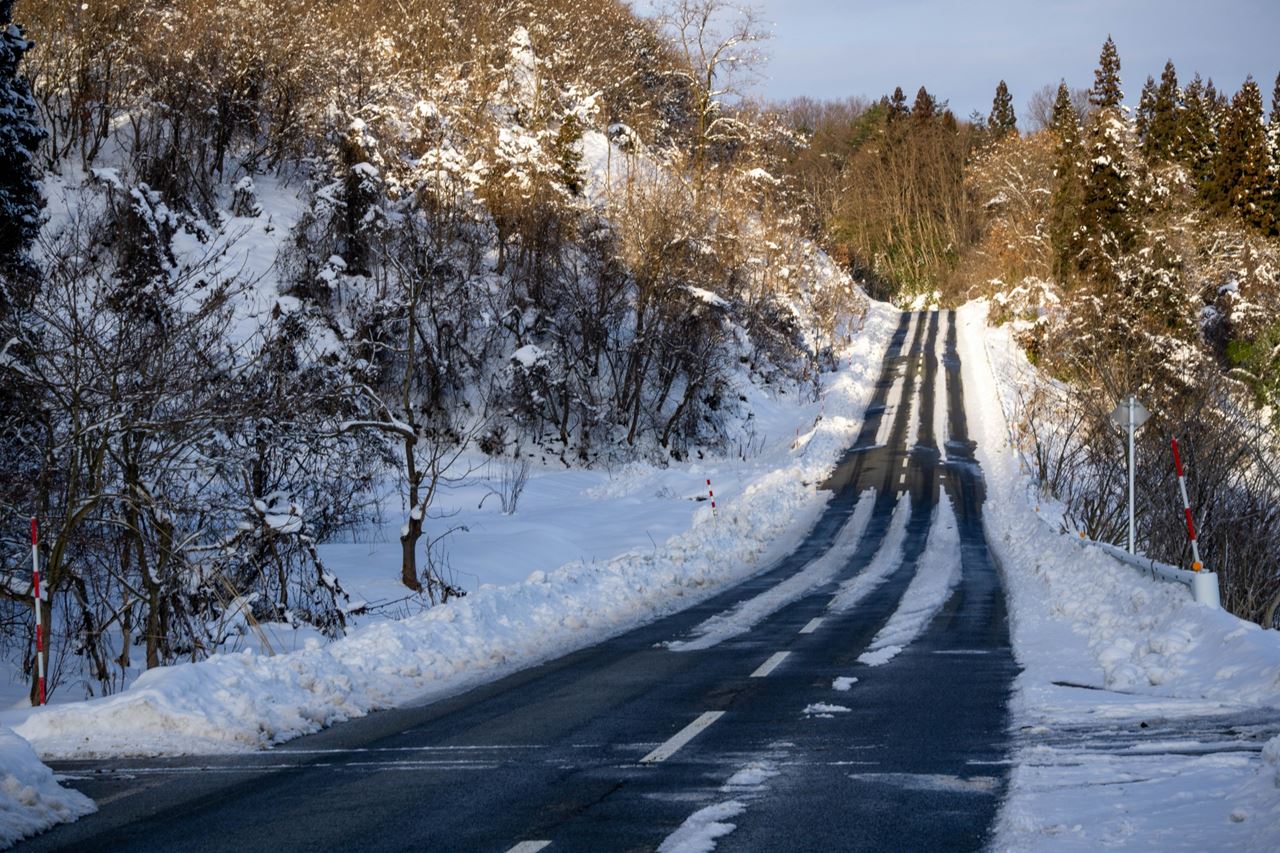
(244, 701)
(1141, 718)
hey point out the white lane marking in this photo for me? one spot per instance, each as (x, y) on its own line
(812, 626)
(902, 480)
(529, 846)
(770, 665)
(682, 737)
(904, 462)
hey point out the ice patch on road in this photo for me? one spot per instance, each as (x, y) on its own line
(699, 832)
(883, 564)
(745, 615)
(824, 709)
(933, 782)
(937, 573)
(753, 775)
(843, 683)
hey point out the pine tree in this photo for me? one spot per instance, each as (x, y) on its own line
(20, 136)
(1002, 119)
(1273, 150)
(1161, 139)
(1146, 111)
(925, 106)
(898, 104)
(1068, 185)
(1106, 93)
(1195, 141)
(1240, 170)
(1107, 229)
(1064, 111)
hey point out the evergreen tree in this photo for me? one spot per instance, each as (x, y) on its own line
(898, 104)
(1161, 139)
(1196, 143)
(1068, 185)
(1146, 111)
(1002, 119)
(1064, 112)
(20, 136)
(925, 106)
(1107, 229)
(1273, 151)
(1241, 168)
(1106, 93)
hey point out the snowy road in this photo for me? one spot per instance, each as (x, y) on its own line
(853, 702)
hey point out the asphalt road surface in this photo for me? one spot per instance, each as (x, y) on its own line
(614, 747)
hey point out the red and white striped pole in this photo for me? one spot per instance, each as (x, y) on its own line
(712, 496)
(1186, 509)
(35, 592)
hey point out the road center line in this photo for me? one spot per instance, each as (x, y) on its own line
(529, 846)
(770, 665)
(812, 626)
(682, 737)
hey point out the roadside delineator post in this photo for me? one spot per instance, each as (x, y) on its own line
(1186, 509)
(1129, 415)
(712, 496)
(35, 593)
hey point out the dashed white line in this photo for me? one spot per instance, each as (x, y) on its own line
(770, 665)
(902, 480)
(529, 846)
(682, 737)
(812, 626)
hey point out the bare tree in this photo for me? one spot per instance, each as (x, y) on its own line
(719, 43)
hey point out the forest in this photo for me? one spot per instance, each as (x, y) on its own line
(250, 279)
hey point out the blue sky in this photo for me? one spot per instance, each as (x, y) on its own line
(961, 50)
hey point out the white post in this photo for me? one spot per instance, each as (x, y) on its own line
(1132, 548)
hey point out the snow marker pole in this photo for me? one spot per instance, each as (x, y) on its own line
(1186, 509)
(1132, 428)
(712, 496)
(35, 593)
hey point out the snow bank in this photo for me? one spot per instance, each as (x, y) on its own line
(1136, 633)
(1110, 652)
(31, 800)
(249, 701)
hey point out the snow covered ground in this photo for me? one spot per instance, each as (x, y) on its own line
(1142, 719)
